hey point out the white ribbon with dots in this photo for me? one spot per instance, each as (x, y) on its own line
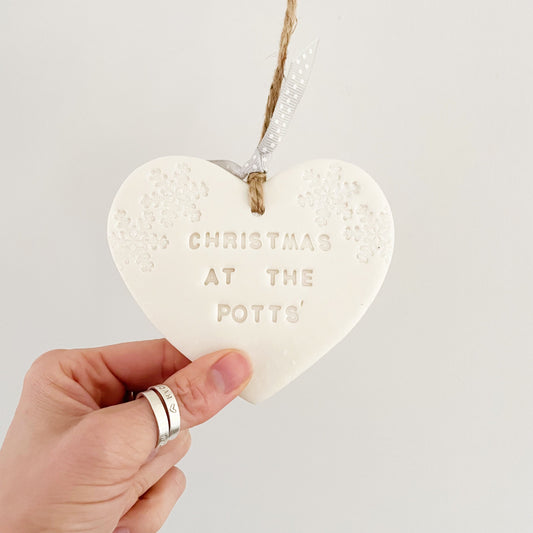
(291, 92)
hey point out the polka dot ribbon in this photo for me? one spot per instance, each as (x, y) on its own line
(292, 90)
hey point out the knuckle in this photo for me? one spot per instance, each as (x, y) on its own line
(183, 444)
(41, 373)
(187, 440)
(140, 484)
(43, 363)
(193, 397)
(178, 449)
(178, 478)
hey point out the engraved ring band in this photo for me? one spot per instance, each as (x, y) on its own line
(160, 413)
(171, 407)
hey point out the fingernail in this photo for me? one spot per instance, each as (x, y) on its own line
(230, 371)
(121, 530)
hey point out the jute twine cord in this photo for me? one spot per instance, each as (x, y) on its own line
(256, 179)
(255, 192)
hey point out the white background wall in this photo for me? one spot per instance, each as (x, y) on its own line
(420, 421)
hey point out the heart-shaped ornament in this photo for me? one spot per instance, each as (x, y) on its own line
(285, 287)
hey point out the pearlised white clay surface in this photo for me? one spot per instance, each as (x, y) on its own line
(285, 287)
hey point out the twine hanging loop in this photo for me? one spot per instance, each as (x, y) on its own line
(286, 91)
(257, 179)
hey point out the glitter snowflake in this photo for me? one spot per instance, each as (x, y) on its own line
(329, 194)
(135, 241)
(372, 234)
(175, 195)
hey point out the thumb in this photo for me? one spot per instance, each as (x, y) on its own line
(202, 388)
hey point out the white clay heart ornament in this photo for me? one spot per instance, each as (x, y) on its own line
(285, 287)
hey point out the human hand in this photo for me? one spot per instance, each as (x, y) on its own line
(77, 459)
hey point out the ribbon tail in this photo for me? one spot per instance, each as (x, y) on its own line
(291, 92)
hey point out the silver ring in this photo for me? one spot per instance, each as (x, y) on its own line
(160, 414)
(171, 407)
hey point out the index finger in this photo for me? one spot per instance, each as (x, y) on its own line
(105, 373)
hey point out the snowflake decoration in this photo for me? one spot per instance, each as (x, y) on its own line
(329, 194)
(134, 242)
(175, 195)
(372, 234)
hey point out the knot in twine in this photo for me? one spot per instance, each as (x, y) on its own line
(256, 179)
